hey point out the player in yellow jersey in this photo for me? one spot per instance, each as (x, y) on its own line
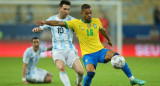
(87, 30)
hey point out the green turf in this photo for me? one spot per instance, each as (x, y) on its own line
(143, 68)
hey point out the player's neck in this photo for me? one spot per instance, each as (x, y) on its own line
(61, 17)
(86, 21)
(35, 49)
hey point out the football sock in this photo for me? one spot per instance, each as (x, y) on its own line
(64, 78)
(79, 78)
(131, 78)
(88, 79)
(116, 54)
(127, 70)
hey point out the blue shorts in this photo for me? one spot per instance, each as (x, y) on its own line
(96, 57)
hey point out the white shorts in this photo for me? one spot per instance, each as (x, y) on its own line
(67, 56)
(37, 76)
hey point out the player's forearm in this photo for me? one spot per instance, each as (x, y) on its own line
(55, 23)
(24, 70)
(50, 48)
(104, 33)
(24, 74)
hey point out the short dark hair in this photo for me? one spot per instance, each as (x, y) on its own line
(85, 6)
(64, 2)
(34, 38)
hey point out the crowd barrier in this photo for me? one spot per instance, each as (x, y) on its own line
(16, 49)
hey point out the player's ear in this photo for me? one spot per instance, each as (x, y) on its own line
(58, 8)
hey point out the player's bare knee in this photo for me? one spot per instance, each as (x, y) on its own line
(61, 68)
(48, 79)
(109, 55)
(49, 74)
(80, 72)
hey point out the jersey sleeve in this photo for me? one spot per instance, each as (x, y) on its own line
(99, 24)
(43, 49)
(71, 18)
(70, 24)
(46, 26)
(26, 56)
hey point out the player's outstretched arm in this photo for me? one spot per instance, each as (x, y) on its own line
(51, 23)
(37, 29)
(24, 73)
(104, 33)
(50, 48)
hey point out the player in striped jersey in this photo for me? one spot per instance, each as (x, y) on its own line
(63, 52)
(30, 73)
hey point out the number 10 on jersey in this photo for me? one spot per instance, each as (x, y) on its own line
(60, 30)
(89, 32)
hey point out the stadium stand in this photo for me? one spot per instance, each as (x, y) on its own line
(134, 11)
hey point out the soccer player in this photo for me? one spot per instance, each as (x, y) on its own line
(30, 73)
(92, 50)
(64, 52)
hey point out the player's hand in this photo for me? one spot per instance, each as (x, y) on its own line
(25, 82)
(109, 42)
(36, 29)
(40, 22)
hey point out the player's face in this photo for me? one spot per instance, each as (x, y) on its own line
(87, 14)
(64, 10)
(35, 43)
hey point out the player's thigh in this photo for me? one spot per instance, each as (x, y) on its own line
(105, 55)
(59, 58)
(90, 62)
(49, 74)
(109, 55)
(90, 68)
(77, 66)
(48, 79)
(72, 56)
(60, 64)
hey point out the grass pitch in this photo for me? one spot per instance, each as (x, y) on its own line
(143, 68)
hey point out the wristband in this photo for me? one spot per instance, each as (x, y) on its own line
(23, 79)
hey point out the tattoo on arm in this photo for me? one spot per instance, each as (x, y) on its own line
(104, 33)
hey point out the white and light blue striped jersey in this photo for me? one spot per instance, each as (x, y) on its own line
(31, 58)
(61, 37)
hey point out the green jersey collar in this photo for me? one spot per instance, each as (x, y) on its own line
(86, 22)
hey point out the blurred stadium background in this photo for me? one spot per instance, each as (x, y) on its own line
(140, 34)
(134, 27)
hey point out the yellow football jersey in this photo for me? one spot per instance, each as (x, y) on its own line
(88, 34)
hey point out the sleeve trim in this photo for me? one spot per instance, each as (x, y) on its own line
(66, 25)
(101, 29)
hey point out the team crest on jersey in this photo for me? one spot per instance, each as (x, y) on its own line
(95, 26)
(89, 25)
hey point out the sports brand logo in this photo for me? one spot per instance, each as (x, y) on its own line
(86, 60)
(80, 27)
